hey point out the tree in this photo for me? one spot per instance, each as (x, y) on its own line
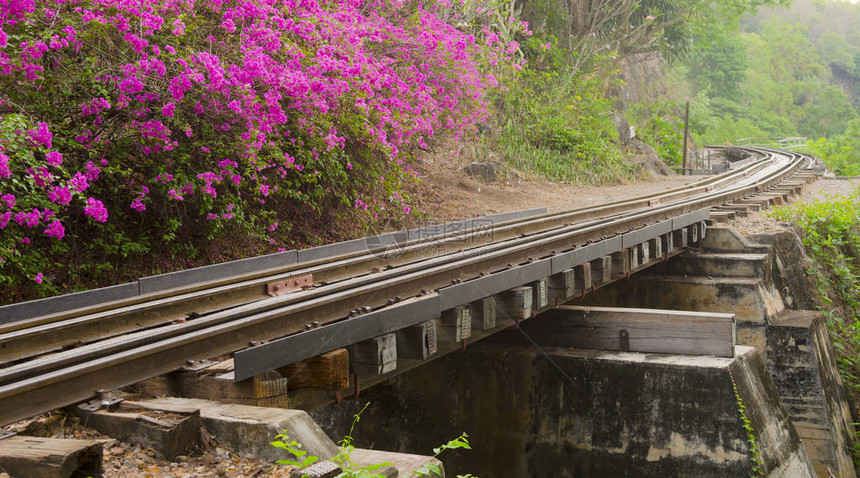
(719, 66)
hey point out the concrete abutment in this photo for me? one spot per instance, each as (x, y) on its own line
(564, 412)
(764, 282)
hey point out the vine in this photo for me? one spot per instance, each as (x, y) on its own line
(754, 453)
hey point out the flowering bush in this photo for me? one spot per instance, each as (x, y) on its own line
(134, 121)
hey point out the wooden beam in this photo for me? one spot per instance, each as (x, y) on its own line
(644, 253)
(540, 300)
(455, 324)
(417, 342)
(656, 246)
(703, 229)
(375, 356)
(583, 278)
(693, 234)
(679, 237)
(647, 330)
(601, 270)
(50, 457)
(620, 264)
(484, 314)
(329, 371)
(562, 286)
(215, 382)
(514, 304)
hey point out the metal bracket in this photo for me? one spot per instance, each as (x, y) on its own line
(654, 202)
(99, 403)
(292, 284)
(5, 434)
(194, 366)
(624, 337)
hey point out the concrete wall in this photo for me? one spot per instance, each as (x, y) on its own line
(565, 413)
(803, 367)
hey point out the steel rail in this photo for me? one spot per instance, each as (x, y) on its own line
(83, 354)
(51, 388)
(574, 214)
(32, 337)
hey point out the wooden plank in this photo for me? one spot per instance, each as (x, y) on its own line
(601, 270)
(417, 342)
(514, 304)
(649, 330)
(634, 257)
(33, 457)
(329, 371)
(374, 356)
(268, 389)
(484, 314)
(455, 325)
(668, 242)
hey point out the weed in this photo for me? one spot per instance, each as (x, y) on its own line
(754, 453)
(352, 470)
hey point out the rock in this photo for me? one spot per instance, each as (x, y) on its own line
(645, 160)
(486, 172)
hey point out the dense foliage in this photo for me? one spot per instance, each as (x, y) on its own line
(125, 124)
(841, 152)
(780, 73)
(557, 125)
(830, 230)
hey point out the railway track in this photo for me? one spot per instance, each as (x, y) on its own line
(65, 357)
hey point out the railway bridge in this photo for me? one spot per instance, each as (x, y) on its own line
(545, 293)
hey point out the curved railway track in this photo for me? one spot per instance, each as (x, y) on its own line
(59, 359)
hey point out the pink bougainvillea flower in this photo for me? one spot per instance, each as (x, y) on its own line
(5, 171)
(56, 230)
(60, 195)
(39, 277)
(54, 158)
(96, 210)
(42, 136)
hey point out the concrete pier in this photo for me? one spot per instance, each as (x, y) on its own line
(551, 411)
(762, 283)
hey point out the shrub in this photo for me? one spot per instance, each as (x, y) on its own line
(146, 122)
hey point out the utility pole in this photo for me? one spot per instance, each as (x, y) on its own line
(686, 123)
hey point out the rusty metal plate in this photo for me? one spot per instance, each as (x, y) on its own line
(291, 284)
